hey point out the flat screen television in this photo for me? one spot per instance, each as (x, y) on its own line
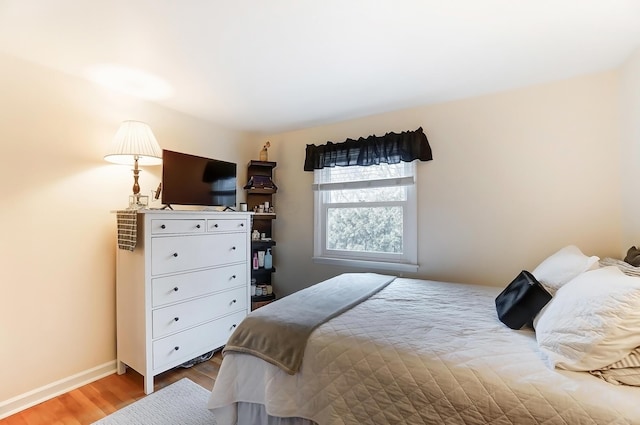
(196, 180)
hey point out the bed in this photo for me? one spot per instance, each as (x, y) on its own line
(417, 352)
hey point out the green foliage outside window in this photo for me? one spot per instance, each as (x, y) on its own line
(365, 229)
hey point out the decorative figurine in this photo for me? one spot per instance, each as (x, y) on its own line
(264, 154)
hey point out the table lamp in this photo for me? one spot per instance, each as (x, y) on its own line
(134, 144)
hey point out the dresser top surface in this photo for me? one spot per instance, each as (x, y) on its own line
(182, 213)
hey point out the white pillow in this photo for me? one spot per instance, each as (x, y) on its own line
(592, 321)
(561, 267)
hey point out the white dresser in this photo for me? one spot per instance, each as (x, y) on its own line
(183, 289)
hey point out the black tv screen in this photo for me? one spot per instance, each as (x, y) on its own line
(195, 180)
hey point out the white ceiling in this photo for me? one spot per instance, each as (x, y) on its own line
(276, 65)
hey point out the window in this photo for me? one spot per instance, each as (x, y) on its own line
(366, 216)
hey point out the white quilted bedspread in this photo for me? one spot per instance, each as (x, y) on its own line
(423, 352)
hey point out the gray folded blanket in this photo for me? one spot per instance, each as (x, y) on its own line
(278, 332)
(633, 256)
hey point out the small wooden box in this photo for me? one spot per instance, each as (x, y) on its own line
(261, 300)
(258, 304)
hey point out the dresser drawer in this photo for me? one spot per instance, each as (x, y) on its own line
(176, 349)
(172, 254)
(168, 226)
(226, 225)
(171, 289)
(177, 317)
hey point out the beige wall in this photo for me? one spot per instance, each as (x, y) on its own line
(630, 142)
(57, 259)
(515, 176)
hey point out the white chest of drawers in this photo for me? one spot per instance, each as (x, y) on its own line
(183, 289)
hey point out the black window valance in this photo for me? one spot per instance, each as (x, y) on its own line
(390, 148)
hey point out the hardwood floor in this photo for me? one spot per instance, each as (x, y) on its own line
(98, 399)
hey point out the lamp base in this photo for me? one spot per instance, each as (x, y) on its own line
(138, 202)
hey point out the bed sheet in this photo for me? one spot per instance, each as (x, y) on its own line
(422, 352)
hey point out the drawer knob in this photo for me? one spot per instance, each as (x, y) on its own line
(162, 226)
(234, 301)
(233, 248)
(233, 326)
(175, 289)
(233, 277)
(215, 225)
(175, 254)
(197, 226)
(241, 224)
(176, 348)
(175, 319)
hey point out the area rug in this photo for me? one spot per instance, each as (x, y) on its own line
(181, 403)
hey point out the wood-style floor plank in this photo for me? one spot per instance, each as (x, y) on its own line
(98, 399)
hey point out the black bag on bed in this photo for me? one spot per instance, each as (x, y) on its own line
(521, 300)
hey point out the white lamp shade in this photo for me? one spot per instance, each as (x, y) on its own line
(134, 139)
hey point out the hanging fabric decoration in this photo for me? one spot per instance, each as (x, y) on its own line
(390, 148)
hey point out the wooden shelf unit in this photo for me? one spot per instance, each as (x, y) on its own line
(261, 173)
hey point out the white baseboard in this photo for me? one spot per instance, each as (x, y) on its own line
(54, 389)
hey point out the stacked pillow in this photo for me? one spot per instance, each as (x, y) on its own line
(593, 320)
(561, 267)
(627, 370)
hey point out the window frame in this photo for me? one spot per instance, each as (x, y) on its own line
(404, 262)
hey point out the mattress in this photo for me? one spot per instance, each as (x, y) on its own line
(422, 352)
